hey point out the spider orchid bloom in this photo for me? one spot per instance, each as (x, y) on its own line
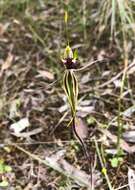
(69, 59)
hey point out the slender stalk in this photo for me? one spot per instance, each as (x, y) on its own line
(84, 19)
(84, 150)
(103, 166)
(120, 124)
(113, 18)
(66, 25)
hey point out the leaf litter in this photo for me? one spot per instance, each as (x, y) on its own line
(30, 44)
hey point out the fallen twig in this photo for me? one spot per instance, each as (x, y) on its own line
(57, 163)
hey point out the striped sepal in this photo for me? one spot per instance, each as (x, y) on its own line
(71, 88)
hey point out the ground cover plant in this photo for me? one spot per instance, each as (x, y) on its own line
(67, 65)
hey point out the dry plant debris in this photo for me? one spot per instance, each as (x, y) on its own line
(32, 38)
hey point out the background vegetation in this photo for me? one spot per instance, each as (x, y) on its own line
(38, 150)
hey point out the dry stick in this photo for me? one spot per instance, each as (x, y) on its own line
(111, 80)
(84, 150)
(116, 77)
(90, 64)
(80, 177)
(52, 83)
(61, 119)
(43, 142)
(122, 187)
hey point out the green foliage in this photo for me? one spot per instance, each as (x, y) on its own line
(68, 53)
(66, 17)
(91, 120)
(118, 15)
(116, 161)
(4, 183)
(75, 145)
(65, 184)
(75, 54)
(4, 168)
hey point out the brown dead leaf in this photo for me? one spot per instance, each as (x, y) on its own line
(7, 62)
(129, 136)
(45, 74)
(29, 186)
(83, 111)
(57, 163)
(131, 179)
(79, 176)
(3, 28)
(131, 70)
(81, 128)
(113, 138)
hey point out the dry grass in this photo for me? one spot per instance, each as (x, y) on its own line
(32, 38)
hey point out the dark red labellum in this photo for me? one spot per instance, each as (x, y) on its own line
(70, 63)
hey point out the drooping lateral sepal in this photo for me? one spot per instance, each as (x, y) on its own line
(70, 85)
